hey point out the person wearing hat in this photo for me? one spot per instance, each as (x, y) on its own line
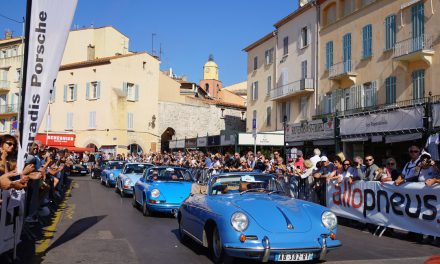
(299, 161)
(320, 178)
(306, 182)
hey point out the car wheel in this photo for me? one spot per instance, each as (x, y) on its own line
(216, 249)
(92, 174)
(134, 203)
(116, 188)
(107, 183)
(145, 211)
(102, 182)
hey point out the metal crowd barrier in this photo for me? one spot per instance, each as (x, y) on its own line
(11, 219)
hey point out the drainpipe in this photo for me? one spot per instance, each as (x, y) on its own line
(275, 33)
(318, 17)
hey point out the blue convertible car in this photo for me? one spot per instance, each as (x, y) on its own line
(110, 172)
(130, 174)
(162, 189)
(247, 215)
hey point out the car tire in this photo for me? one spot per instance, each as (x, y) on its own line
(116, 188)
(216, 250)
(107, 184)
(145, 210)
(133, 201)
(92, 174)
(102, 182)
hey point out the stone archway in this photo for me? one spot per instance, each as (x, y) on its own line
(165, 139)
(93, 146)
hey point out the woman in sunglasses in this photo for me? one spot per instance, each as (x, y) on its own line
(389, 172)
(8, 153)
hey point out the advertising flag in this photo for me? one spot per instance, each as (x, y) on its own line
(47, 27)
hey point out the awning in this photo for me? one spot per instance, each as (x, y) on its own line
(74, 149)
(326, 142)
(376, 138)
(295, 143)
(354, 139)
(401, 138)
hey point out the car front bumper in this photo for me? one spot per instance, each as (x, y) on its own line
(163, 208)
(264, 252)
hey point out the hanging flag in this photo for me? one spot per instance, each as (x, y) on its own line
(47, 27)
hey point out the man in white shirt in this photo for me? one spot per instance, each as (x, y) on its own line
(432, 146)
(409, 171)
(316, 157)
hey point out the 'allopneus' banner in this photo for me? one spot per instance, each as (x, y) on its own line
(411, 206)
(47, 27)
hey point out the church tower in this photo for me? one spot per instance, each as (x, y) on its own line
(211, 82)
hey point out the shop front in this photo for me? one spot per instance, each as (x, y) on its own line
(266, 142)
(191, 143)
(307, 136)
(227, 143)
(177, 144)
(61, 141)
(383, 134)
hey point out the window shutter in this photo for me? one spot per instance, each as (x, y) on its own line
(88, 91)
(125, 88)
(288, 111)
(136, 93)
(98, 90)
(90, 119)
(75, 92)
(65, 93)
(256, 90)
(53, 95)
(374, 93)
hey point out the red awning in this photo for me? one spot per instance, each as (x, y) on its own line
(74, 149)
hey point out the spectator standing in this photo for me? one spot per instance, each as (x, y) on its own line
(316, 157)
(390, 172)
(408, 171)
(371, 169)
(358, 163)
(426, 168)
(320, 178)
(432, 146)
(299, 161)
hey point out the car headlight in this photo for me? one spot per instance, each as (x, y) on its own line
(239, 221)
(155, 193)
(127, 182)
(329, 220)
(111, 175)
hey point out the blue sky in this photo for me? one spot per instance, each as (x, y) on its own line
(187, 30)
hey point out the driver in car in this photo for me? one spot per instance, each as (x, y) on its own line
(154, 175)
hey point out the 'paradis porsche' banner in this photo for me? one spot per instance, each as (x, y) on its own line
(411, 206)
(47, 27)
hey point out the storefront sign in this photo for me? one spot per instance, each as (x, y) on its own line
(245, 139)
(227, 140)
(202, 142)
(412, 206)
(436, 115)
(58, 140)
(316, 129)
(177, 144)
(191, 143)
(396, 120)
(214, 140)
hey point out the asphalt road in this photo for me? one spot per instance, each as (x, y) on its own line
(98, 226)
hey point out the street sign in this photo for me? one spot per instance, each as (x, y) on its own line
(254, 128)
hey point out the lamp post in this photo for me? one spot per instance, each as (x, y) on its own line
(284, 145)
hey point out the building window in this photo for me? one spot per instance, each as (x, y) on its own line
(304, 37)
(254, 91)
(255, 63)
(69, 125)
(269, 84)
(93, 90)
(17, 75)
(390, 32)
(347, 52)
(367, 39)
(347, 100)
(268, 116)
(2, 125)
(390, 90)
(328, 103)
(132, 91)
(268, 54)
(70, 92)
(4, 75)
(92, 119)
(329, 55)
(285, 111)
(130, 123)
(286, 45)
(348, 7)
(330, 14)
(418, 26)
(370, 94)
(304, 69)
(418, 78)
(304, 108)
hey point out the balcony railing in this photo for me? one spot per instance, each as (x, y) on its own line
(8, 109)
(341, 69)
(5, 85)
(292, 88)
(11, 61)
(411, 45)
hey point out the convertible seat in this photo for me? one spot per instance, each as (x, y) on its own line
(199, 189)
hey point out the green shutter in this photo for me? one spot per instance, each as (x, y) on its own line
(98, 90)
(75, 92)
(136, 92)
(125, 88)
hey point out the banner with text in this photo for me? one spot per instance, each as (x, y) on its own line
(396, 120)
(313, 130)
(412, 206)
(48, 26)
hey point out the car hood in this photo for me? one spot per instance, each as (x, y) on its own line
(133, 176)
(173, 192)
(282, 211)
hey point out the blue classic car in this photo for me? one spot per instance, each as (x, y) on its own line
(129, 175)
(247, 215)
(162, 189)
(111, 171)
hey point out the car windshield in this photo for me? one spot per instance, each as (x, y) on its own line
(135, 168)
(169, 174)
(115, 165)
(266, 184)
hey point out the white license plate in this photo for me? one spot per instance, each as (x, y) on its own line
(83, 171)
(294, 257)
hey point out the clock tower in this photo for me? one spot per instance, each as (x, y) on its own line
(210, 81)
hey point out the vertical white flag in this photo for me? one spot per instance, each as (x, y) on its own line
(47, 29)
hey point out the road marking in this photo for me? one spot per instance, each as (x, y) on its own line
(49, 232)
